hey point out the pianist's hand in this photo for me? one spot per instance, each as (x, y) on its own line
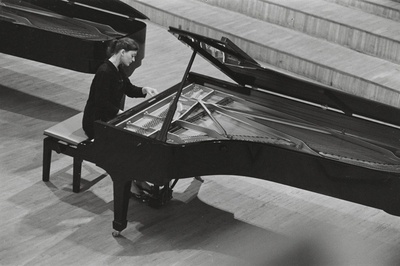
(150, 91)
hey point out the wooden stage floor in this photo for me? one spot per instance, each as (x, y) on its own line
(227, 220)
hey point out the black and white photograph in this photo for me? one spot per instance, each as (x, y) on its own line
(200, 132)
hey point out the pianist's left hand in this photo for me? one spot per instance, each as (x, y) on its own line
(149, 91)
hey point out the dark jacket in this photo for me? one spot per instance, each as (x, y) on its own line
(106, 92)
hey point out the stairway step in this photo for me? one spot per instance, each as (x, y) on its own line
(384, 8)
(350, 27)
(290, 50)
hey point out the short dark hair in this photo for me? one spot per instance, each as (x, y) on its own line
(125, 43)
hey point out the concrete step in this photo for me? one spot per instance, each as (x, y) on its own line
(384, 8)
(327, 19)
(329, 63)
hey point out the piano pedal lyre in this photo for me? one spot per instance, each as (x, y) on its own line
(161, 196)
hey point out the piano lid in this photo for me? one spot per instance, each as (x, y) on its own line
(115, 6)
(241, 68)
(67, 34)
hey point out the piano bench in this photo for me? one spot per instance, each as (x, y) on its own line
(67, 138)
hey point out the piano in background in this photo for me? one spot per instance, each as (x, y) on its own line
(68, 34)
(264, 124)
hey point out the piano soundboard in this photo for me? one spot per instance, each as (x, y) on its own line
(207, 114)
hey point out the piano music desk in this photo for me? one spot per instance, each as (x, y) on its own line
(67, 138)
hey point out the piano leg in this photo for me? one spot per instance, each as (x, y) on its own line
(121, 202)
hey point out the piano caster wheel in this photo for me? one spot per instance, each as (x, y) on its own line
(116, 234)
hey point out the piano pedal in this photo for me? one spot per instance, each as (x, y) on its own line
(140, 197)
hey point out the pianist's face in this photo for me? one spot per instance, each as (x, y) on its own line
(127, 57)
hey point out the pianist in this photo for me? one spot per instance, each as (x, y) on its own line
(108, 87)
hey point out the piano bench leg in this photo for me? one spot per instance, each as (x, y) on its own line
(46, 159)
(77, 168)
(50, 145)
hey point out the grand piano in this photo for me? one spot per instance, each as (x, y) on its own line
(263, 124)
(68, 34)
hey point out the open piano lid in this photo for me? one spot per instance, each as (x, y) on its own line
(241, 68)
(115, 6)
